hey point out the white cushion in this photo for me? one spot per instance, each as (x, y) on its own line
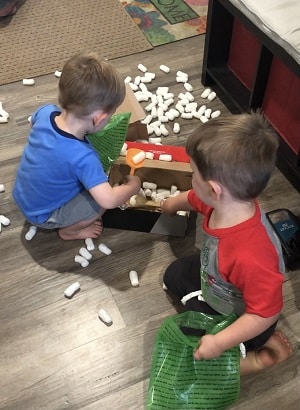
(278, 19)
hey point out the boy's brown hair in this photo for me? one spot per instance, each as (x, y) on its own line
(238, 151)
(88, 84)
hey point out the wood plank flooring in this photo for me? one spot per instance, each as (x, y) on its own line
(55, 353)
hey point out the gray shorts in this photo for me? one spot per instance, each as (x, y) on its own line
(81, 208)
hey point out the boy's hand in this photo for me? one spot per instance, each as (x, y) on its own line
(208, 348)
(177, 203)
(168, 206)
(133, 181)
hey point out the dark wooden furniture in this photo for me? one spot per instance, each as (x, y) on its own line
(249, 70)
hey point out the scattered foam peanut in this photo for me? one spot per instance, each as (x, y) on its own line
(142, 193)
(149, 131)
(132, 200)
(137, 80)
(31, 232)
(3, 113)
(189, 96)
(3, 120)
(179, 108)
(196, 114)
(162, 90)
(85, 253)
(2, 188)
(142, 68)
(188, 87)
(72, 289)
(4, 221)
(173, 189)
(202, 110)
(164, 193)
(243, 352)
(89, 243)
(147, 192)
(208, 112)
(149, 185)
(147, 119)
(206, 93)
(105, 317)
(133, 86)
(104, 249)
(170, 115)
(164, 68)
(181, 213)
(191, 106)
(153, 140)
(81, 260)
(177, 192)
(139, 157)
(164, 130)
(149, 75)
(145, 79)
(143, 87)
(181, 79)
(149, 155)
(165, 157)
(28, 81)
(140, 96)
(215, 114)
(211, 96)
(133, 277)
(124, 149)
(187, 115)
(57, 74)
(181, 73)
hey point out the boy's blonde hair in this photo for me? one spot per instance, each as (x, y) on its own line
(88, 84)
(238, 151)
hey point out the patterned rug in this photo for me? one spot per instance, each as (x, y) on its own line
(156, 26)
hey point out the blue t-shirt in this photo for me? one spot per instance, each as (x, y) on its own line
(54, 168)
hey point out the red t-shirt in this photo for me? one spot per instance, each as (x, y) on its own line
(249, 256)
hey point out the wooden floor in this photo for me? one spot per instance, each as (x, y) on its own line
(55, 353)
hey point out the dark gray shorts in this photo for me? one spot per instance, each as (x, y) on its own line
(183, 277)
(81, 208)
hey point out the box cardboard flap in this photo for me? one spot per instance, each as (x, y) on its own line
(131, 104)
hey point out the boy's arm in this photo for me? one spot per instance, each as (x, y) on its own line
(109, 197)
(177, 203)
(244, 328)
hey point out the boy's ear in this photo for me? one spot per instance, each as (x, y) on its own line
(99, 117)
(216, 189)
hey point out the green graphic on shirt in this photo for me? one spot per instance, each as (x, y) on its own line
(207, 292)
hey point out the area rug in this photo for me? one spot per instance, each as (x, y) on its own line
(43, 34)
(166, 21)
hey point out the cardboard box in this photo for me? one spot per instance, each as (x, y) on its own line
(148, 218)
(136, 129)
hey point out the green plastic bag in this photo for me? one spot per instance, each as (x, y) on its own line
(109, 141)
(177, 380)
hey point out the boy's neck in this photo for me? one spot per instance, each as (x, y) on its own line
(69, 123)
(229, 213)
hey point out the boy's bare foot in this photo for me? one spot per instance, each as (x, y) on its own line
(276, 350)
(81, 231)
